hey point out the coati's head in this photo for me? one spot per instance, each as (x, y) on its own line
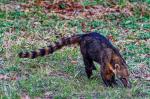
(120, 70)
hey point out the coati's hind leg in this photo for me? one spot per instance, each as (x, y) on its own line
(89, 66)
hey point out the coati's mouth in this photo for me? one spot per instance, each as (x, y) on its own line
(125, 82)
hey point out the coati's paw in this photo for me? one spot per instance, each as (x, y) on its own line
(108, 83)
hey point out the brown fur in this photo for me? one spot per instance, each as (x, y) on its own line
(94, 47)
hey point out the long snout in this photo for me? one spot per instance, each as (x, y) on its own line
(126, 82)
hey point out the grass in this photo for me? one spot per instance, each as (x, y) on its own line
(56, 75)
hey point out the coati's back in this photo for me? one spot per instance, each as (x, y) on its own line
(98, 37)
(63, 42)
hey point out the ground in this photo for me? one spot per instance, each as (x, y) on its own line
(31, 25)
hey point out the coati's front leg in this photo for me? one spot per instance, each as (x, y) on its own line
(89, 66)
(107, 73)
(108, 78)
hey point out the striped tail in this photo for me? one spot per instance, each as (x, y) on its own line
(51, 48)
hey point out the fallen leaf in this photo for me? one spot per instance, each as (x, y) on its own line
(25, 96)
(74, 62)
(3, 76)
(13, 78)
(110, 37)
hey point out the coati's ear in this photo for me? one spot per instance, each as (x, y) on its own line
(117, 66)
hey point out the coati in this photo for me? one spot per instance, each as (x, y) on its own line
(93, 47)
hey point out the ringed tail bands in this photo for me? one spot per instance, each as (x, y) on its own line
(51, 48)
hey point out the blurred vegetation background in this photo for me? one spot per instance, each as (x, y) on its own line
(32, 24)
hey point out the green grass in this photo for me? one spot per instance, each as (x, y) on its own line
(55, 74)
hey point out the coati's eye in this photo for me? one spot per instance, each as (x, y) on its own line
(123, 64)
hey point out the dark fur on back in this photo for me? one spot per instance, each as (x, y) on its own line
(94, 47)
